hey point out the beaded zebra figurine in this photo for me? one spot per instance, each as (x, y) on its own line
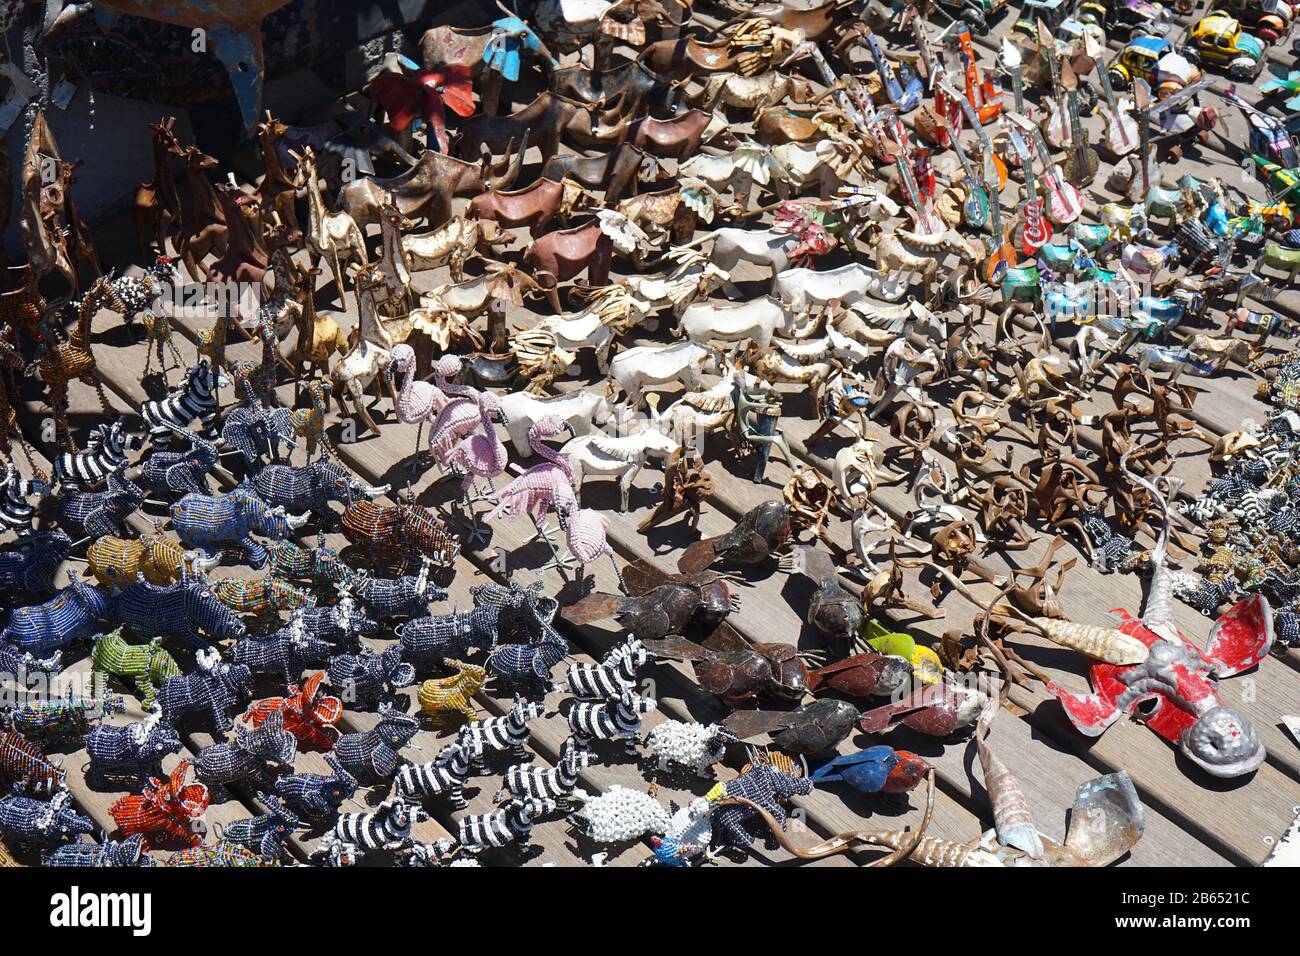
(107, 448)
(615, 719)
(146, 666)
(513, 823)
(443, 696)
(524, 781)
(507, 732)
(193, 399)
(386, 828)
(446, 773)
(16, 512)
(613, 676)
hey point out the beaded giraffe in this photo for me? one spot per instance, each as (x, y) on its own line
(11, 361)
(62, 362)
(309, 423)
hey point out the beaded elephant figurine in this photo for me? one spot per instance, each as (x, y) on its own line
(165, 813)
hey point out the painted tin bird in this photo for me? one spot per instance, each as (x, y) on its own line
(810, 729)
(659, 604)
(737, 671)
(862, 675)
(835, 612)
(763, 530)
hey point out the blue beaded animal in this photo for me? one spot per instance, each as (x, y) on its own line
(372, 756)
(266, 833)
(98, 513)
(407, 596)
(183, 609)
(215, 687)
(518, 663)
(134, 752)
(340, 625)
(27, 821)
(316, 795)
(310, 488)
(288, 652)
(29, 564)
(70, 615)
(121, 853)
(366, 677)
(764, 785)
(209, 522)
(168, 473)
(250, 755)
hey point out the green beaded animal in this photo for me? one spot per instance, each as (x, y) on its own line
(144, 665)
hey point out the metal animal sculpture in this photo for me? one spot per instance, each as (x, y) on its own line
(386, 828)
(121, 853)
(372, 756)
(249, 756)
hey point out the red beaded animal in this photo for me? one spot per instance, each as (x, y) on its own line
(165, 813)
(309, 714)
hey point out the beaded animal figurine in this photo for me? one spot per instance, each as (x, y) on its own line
(515, 663)
(509, 732)
(410, 530)
(614, 676)
(69, 616)
(125, 853)
(63, 362)
(107, 448)
(29, 564)
(309, 423)
(264, 598)
(97, 513)
(223, 854)
(446, 773)
(316, 795)
(309, 713)
(157, 336)
(266, 833)
(367, 677)
(542, 487)
(616, 719)
(444, 696)
(319, 566)
(407, 596)
(170, 473)
(387, 828)
(763, 785)
(207, 521)
(188, 610)
(134, 752)
(25, 768)
(145, 666)
(372, 756)
(524, 781)
(513, 823)
(165, 813)
(287, 651)
(17, 514)
(249, 756)
(28, 821)
(214, 687)
(310, 487)
(52, 721)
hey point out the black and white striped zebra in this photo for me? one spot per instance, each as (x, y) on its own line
(616, 719)
(446, 773)
(16, 512)
(388, 827)
(512, 823)
(106, 449)
(613, 676)
(524, 781)
(194, 398)
(507, 732)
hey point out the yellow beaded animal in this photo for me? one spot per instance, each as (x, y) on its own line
(447, 695)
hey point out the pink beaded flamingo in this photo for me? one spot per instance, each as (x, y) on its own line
(479, 455)
(584, 533)
(418, 401)
(542, 487)
(459, 419)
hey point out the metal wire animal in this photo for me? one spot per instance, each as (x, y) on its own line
(531, 662)
(16, 512)
(318, 795)
(367, 677)
(407, 596)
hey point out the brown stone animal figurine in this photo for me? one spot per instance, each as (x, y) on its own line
(427, 189)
